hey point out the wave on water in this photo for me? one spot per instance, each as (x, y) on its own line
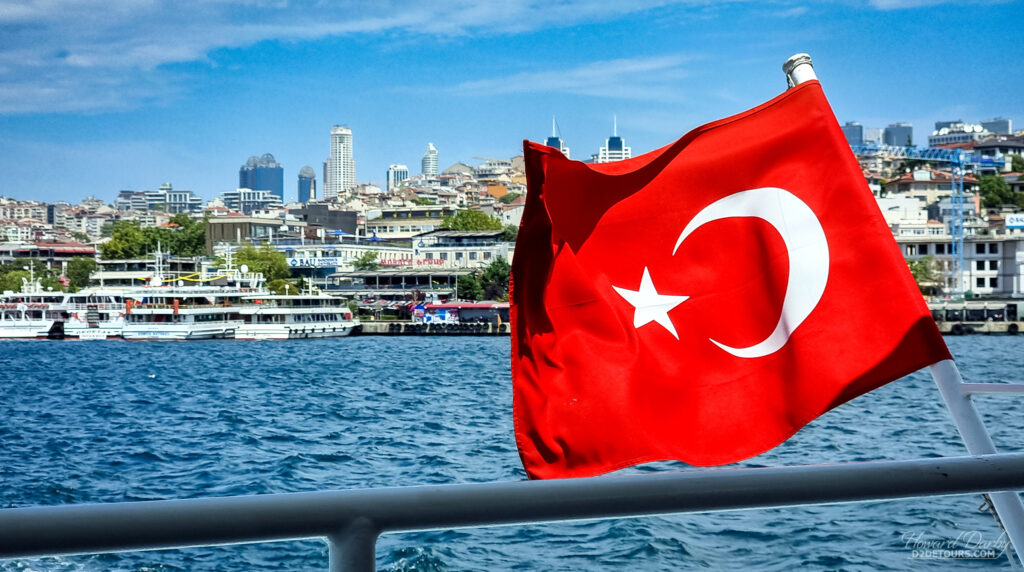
(115, 421)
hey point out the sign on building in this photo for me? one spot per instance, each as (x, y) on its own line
(1015, 220)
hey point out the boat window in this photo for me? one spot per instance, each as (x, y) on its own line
(954, 315)
(996, 314)
(937, 315)
(975, 314)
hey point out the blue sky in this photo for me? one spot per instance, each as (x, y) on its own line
(102, 95)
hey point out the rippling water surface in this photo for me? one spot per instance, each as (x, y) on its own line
(118, 421)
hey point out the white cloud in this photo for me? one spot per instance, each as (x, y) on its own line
(64, 55)
(648, 79)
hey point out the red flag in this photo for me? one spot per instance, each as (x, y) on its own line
(704, 301)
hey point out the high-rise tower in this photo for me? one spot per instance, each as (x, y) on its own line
(397, 174)
(307, 184)
(429, 163)
(341, 167)
(556, 141)
(262, 174)
(614, 147)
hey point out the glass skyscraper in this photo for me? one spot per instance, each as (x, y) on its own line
(429, 163)
(307, 184)
(262, 174)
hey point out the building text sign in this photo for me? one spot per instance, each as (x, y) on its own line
(1015, 220)
(314, 262)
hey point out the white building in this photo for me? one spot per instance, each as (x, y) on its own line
(340, 175)
(396, 174)
(614, 148)
(429, 162)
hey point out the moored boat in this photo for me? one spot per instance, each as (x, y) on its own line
(285, 317)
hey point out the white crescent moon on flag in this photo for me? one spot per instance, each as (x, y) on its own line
(805, 243)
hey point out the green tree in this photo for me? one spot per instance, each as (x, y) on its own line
(12, 273)
(509, 233)
(470, 219)
(129, 240)
(507, 198)
(126, 241)
(107, 230)
(81, 237)
(995, 192)
(282, 286)
(265, 259)
(78, 271)
(495, 279)
(468, 287)
(12, 280)
(423, 201)
(925, 274)
(366, 261)
(1017, 163)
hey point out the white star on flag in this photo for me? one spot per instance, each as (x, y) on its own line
(651, 306)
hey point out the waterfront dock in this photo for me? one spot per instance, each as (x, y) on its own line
(405, 328)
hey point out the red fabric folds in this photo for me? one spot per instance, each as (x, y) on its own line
(704, 301)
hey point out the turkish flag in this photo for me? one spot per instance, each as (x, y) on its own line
(704, 301)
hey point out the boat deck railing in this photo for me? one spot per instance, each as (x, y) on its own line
(352, 520)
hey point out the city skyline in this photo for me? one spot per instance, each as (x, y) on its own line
(100, 98)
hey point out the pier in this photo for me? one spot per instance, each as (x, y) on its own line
(405, 328)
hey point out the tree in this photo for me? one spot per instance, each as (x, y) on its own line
(78, 271)
(282, 286)
(1017, 163)
(126, 241)
(80, 236)
(468, 287)
(423, 201)
(129, 240)
(366, 261)
(495, 279)
(470, 219)
(509, 233)
(507, 198)
(271, 263)
(12, 273)
(925, 274)
(995, 192)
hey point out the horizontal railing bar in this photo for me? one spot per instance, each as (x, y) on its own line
(88, 528)
(974, 388)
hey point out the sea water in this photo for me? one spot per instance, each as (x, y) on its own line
(121, 421)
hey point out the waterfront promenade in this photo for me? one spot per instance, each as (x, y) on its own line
(405, 328)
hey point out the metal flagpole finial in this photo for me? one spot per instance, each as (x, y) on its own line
(798, 69)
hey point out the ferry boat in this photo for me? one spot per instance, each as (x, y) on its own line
(35, 313)
(179, 312)
(979, 316)
(286, 317)
(183, 313)
(93, 314)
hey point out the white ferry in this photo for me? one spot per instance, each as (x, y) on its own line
(286, 317)
(93, 314)
(979, 316)
(35, 313)
(183, 313)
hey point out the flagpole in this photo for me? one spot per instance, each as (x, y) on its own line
(1008, 507)
(798, 69)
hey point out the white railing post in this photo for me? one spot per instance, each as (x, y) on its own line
(1008, 506)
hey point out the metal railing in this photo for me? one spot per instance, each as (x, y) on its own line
(352, 520)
